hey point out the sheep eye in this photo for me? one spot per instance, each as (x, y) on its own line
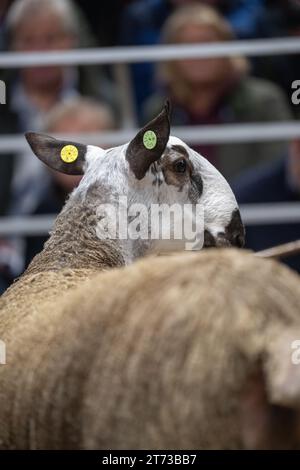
(180, 166)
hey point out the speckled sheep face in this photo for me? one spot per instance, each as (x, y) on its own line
(185, 176)
(154, 169)
(180, 176)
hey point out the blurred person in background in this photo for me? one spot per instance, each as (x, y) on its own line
(281, 18)
(216, 90)
(74, 116)
(104, 19)
(278, 181)
(39, 25)
(4, 4)
(142, 21)
(77, 116)
(43, 25)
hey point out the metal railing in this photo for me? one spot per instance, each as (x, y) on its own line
(121, 57)
(134, 54)
(252, 214)
(208, 134)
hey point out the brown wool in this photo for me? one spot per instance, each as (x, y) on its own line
(157, 355)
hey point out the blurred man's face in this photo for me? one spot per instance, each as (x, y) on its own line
(43, 32)
(294, 162)
(205, 70)
(3, 7)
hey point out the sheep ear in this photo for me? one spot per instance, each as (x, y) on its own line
(270, 401)
(149, 144)
(283, 368)
(263, 423)
(64, 156)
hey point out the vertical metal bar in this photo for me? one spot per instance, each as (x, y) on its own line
(124, 83)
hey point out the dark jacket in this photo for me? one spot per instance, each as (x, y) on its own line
(8, 125)
(268, 184)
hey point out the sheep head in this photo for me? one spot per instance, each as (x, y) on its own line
(153, 169)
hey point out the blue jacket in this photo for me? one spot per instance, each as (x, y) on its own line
(268, 184)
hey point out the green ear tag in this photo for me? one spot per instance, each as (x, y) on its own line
(149, 140)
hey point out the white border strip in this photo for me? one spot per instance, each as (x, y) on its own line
(222, 134)
(133, 54)
(252, 214)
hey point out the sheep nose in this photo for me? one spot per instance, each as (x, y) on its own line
(239, 240)
(233, 235)
(235, 230)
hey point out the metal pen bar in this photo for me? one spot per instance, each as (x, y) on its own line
(227, 133)
(134, 54)
(252, 214)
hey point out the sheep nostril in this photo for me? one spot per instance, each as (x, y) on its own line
(239, 240)
(209, 240)
(235, 230)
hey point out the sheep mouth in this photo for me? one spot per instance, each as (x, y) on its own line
(233, 235)
(212, 242)
(220, 241)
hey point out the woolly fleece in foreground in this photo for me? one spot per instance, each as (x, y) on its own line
(153, 356)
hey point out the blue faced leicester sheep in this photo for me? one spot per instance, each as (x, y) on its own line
(50, 365)
(153, 169)
(190, 352)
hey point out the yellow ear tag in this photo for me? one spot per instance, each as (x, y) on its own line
(69, 153)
